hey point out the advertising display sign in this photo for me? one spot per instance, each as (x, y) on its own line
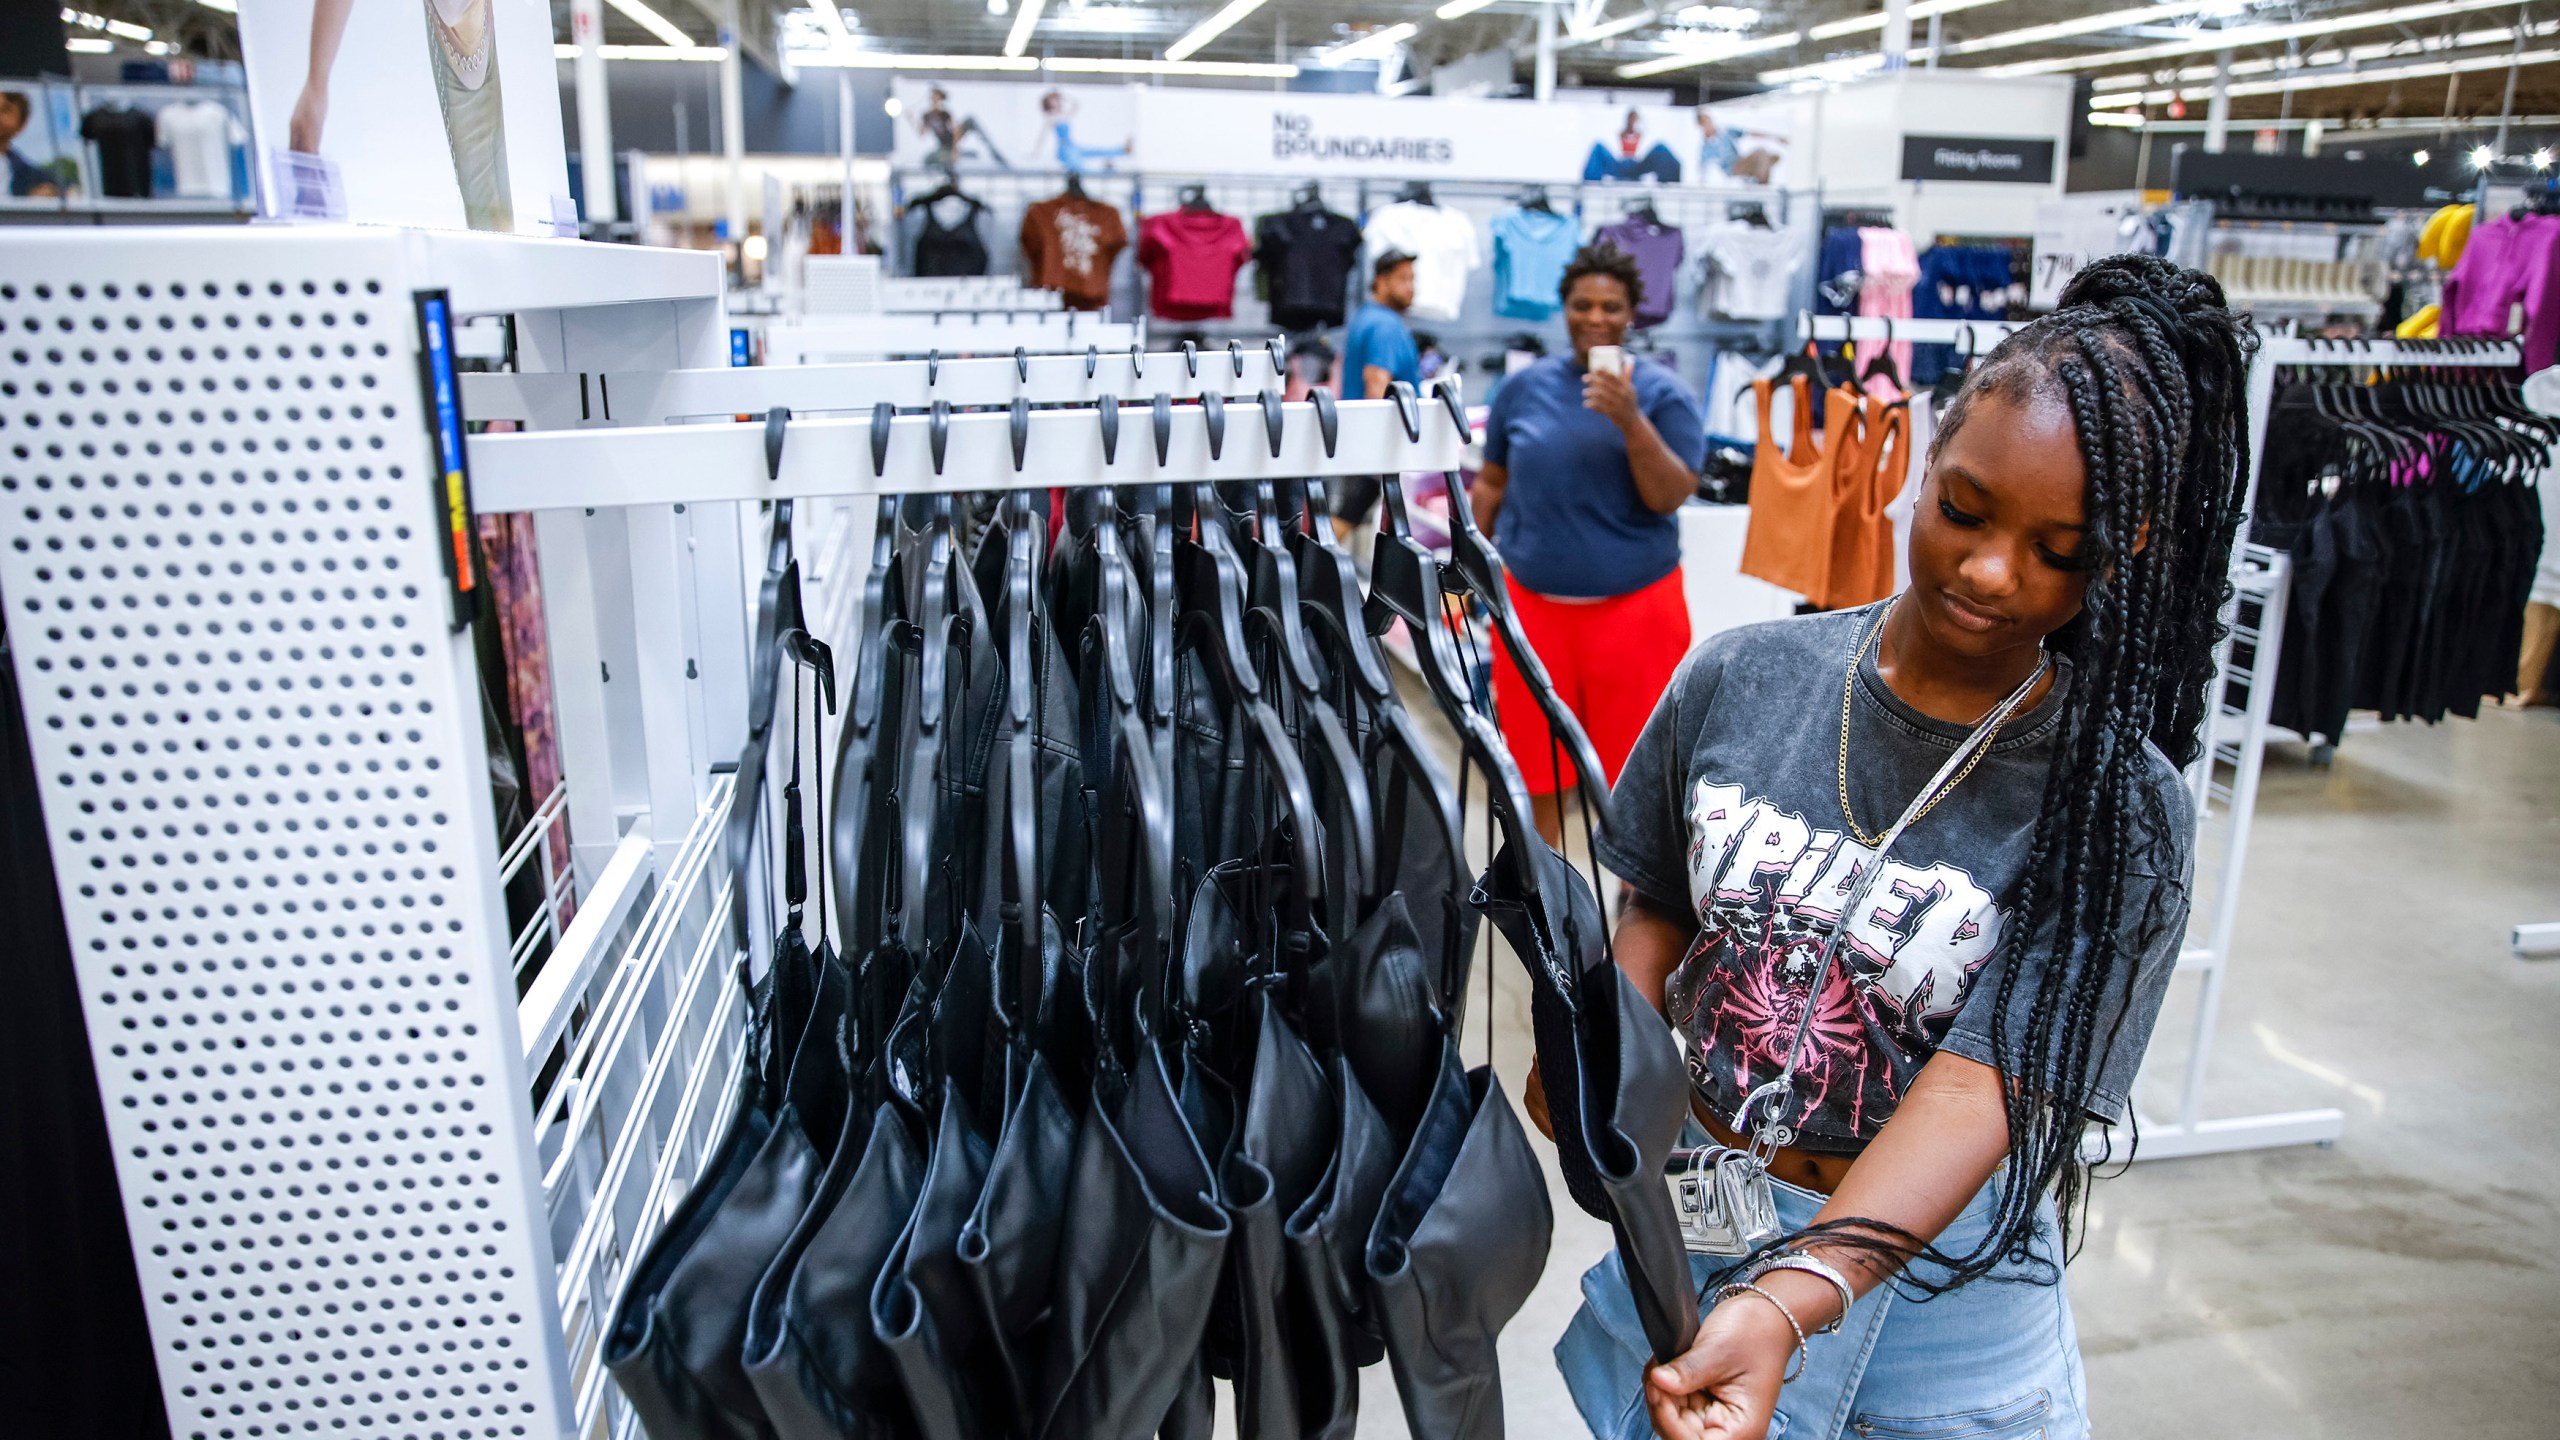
(2004, 160)
(1010, 125)
(1183, 131)
(441, 113)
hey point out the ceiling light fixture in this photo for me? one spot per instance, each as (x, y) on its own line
(2419, 157)
(653, 22)
(2482, 157)
(89, 45)
(2245, 35)
(1025, 20)
(1229, 69)
(2127, 119)
(2085, 25)
(1718, 17)
(1713, 53)
(704, 53)
(1457, 8)
(121, 29)
(1373, 46)
(2335, 79)
(890, 60)
(1605, 30)
(1922, 11)
(2542, 158)
(1210, 29)
(893, 107)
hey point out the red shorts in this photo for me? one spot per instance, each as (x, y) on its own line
(1610, 661)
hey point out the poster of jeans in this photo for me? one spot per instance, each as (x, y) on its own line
(439, 113)
(1012, 125)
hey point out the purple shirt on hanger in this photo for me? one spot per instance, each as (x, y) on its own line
(2505, 286)
(1658, 251)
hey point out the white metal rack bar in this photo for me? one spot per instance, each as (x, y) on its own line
(554, 400)
(1982, 334)
(696, 464)
(801, 341)
(912, 294)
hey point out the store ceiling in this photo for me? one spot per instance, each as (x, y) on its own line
(2139, 52)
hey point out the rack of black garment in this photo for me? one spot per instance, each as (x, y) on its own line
(1105, 1042)
(2401, 479)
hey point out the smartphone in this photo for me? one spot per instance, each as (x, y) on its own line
(1608, 360)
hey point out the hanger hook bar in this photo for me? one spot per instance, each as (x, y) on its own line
(1271, 420)
(932, 367)
(1214, 408)
(1191, 358)
(1328, 419)
(1446, 387)
(1021, 421)
(1092, 358)
(1137, 360)
(1108, 408)
(940, 432)
(1235, 356)
(1164, 427)
(776, 421)
(1022, 364)
(882, 416)
(1408, 408)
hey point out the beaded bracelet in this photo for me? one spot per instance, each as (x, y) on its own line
(1740, 1287)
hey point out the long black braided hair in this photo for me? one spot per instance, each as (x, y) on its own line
(2154, 367)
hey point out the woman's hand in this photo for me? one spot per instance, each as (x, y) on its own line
(310, 112)
(1533, 1098)
(1613, 394)
(1725, 1386)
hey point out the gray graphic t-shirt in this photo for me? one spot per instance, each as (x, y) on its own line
(1729, 807)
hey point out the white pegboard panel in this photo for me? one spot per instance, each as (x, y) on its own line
(266, 794)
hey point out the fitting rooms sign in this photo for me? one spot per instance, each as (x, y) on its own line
(2003, 161)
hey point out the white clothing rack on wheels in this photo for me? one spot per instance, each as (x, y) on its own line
(223, 552)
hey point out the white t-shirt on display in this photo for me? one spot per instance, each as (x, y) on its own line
(199, 134)
(1444, 247)
(1750, 270)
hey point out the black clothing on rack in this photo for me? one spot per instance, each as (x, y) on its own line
(1139, 1069)
(124, 138)
(1306, 256)
(2408, 508)
(959, 248)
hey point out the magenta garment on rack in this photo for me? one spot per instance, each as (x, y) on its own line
(1889, 268)
(2506, 284)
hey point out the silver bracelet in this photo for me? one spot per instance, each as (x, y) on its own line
(1810, 1265)
(1740, 1287)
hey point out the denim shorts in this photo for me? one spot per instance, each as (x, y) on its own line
(1996, 1360)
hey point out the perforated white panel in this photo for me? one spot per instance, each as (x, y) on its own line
(267, 800)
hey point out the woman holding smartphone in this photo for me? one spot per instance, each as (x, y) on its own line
(1587, 459)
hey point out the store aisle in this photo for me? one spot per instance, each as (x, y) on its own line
(2400, 1283)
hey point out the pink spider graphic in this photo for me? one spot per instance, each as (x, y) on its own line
(1750, 993)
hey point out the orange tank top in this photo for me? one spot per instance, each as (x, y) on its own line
(1788, 542)
(1867, 471)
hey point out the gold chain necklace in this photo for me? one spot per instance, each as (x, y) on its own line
(1848, 687)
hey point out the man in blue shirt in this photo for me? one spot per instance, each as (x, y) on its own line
(1377, 350)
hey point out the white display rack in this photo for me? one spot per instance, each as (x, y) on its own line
(263, 770)
(912, 294)
(815, 339)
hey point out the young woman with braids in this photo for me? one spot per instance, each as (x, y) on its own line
(1996, 988)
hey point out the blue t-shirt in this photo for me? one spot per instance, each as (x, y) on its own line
(1377, 336)
(1572, 521)
(1530, 250)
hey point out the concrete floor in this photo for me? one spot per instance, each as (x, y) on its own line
(2403, 1282)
